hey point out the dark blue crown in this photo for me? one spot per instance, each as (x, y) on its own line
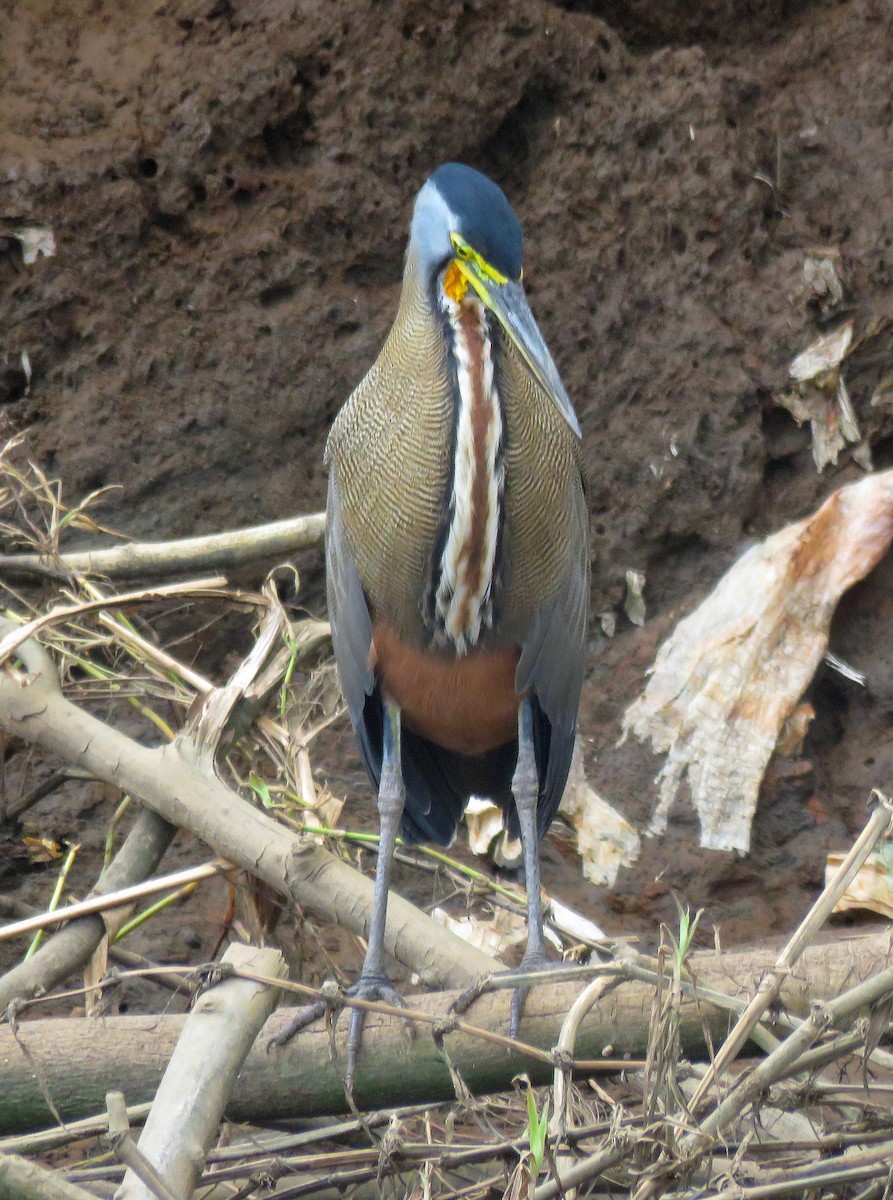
(487, 221)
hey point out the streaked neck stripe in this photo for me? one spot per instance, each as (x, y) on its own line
(463, 601)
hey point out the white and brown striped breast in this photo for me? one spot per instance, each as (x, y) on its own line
(465, 573)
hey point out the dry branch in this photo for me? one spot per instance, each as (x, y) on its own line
(217, 551)
(79, 1060)
(15, 635)
(192, 1096)
(169, 782)
(877, 827)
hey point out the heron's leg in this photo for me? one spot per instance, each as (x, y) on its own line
(373, 983)
(525, 789)
(391, 797)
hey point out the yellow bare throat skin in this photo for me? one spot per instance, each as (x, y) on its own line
(454, 283)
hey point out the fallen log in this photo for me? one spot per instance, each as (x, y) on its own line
(76, 1062)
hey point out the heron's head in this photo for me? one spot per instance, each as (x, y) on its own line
(465, 240)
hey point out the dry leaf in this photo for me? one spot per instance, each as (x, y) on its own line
(824, 356)
(42, 849)
(605, 840)
(487, 836)
(821, 277)
(819, 395)
(731, 674)
(872, 887)
(484, 821)
(504, 930)
(574, 925)
(93, 974)
(35, 240)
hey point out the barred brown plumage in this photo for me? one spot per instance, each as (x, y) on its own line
(458, 551)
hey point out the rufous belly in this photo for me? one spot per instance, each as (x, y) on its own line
(466, 704)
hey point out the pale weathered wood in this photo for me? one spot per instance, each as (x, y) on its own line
(22, 1180)
(149, 560)
(185, 1116)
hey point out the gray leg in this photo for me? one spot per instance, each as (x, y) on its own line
(525, 789)
(373, 983)
(391, 795)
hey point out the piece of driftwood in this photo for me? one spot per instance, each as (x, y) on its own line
(215, 551)
(78, 1061)
(199, 1078)
(173, 780)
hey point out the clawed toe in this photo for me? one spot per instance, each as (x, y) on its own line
(464, 1000)
(370, 988)
(301, 1019)
(488, 983)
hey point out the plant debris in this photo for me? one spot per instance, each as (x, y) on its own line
(606, 841)
(819, 395)
(872, 888)
(36, 240)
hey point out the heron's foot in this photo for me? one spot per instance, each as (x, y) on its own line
(372, 988)
(331, 1000)
(528, 965)
(367, 987)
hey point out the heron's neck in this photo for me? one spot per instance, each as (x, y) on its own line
(463, 597)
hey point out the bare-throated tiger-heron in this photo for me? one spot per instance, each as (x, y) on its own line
(457, 553)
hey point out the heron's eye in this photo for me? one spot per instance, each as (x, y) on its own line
(462, 248)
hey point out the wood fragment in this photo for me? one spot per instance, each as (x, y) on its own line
(732, 672)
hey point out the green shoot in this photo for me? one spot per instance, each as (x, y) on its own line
(537, 1127)
(182, 893)
(261, 789)
(688, 925)
(56, 897)
(292, 646)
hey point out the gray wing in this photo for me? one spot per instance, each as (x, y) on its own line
(552, 664)
(348, 612)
